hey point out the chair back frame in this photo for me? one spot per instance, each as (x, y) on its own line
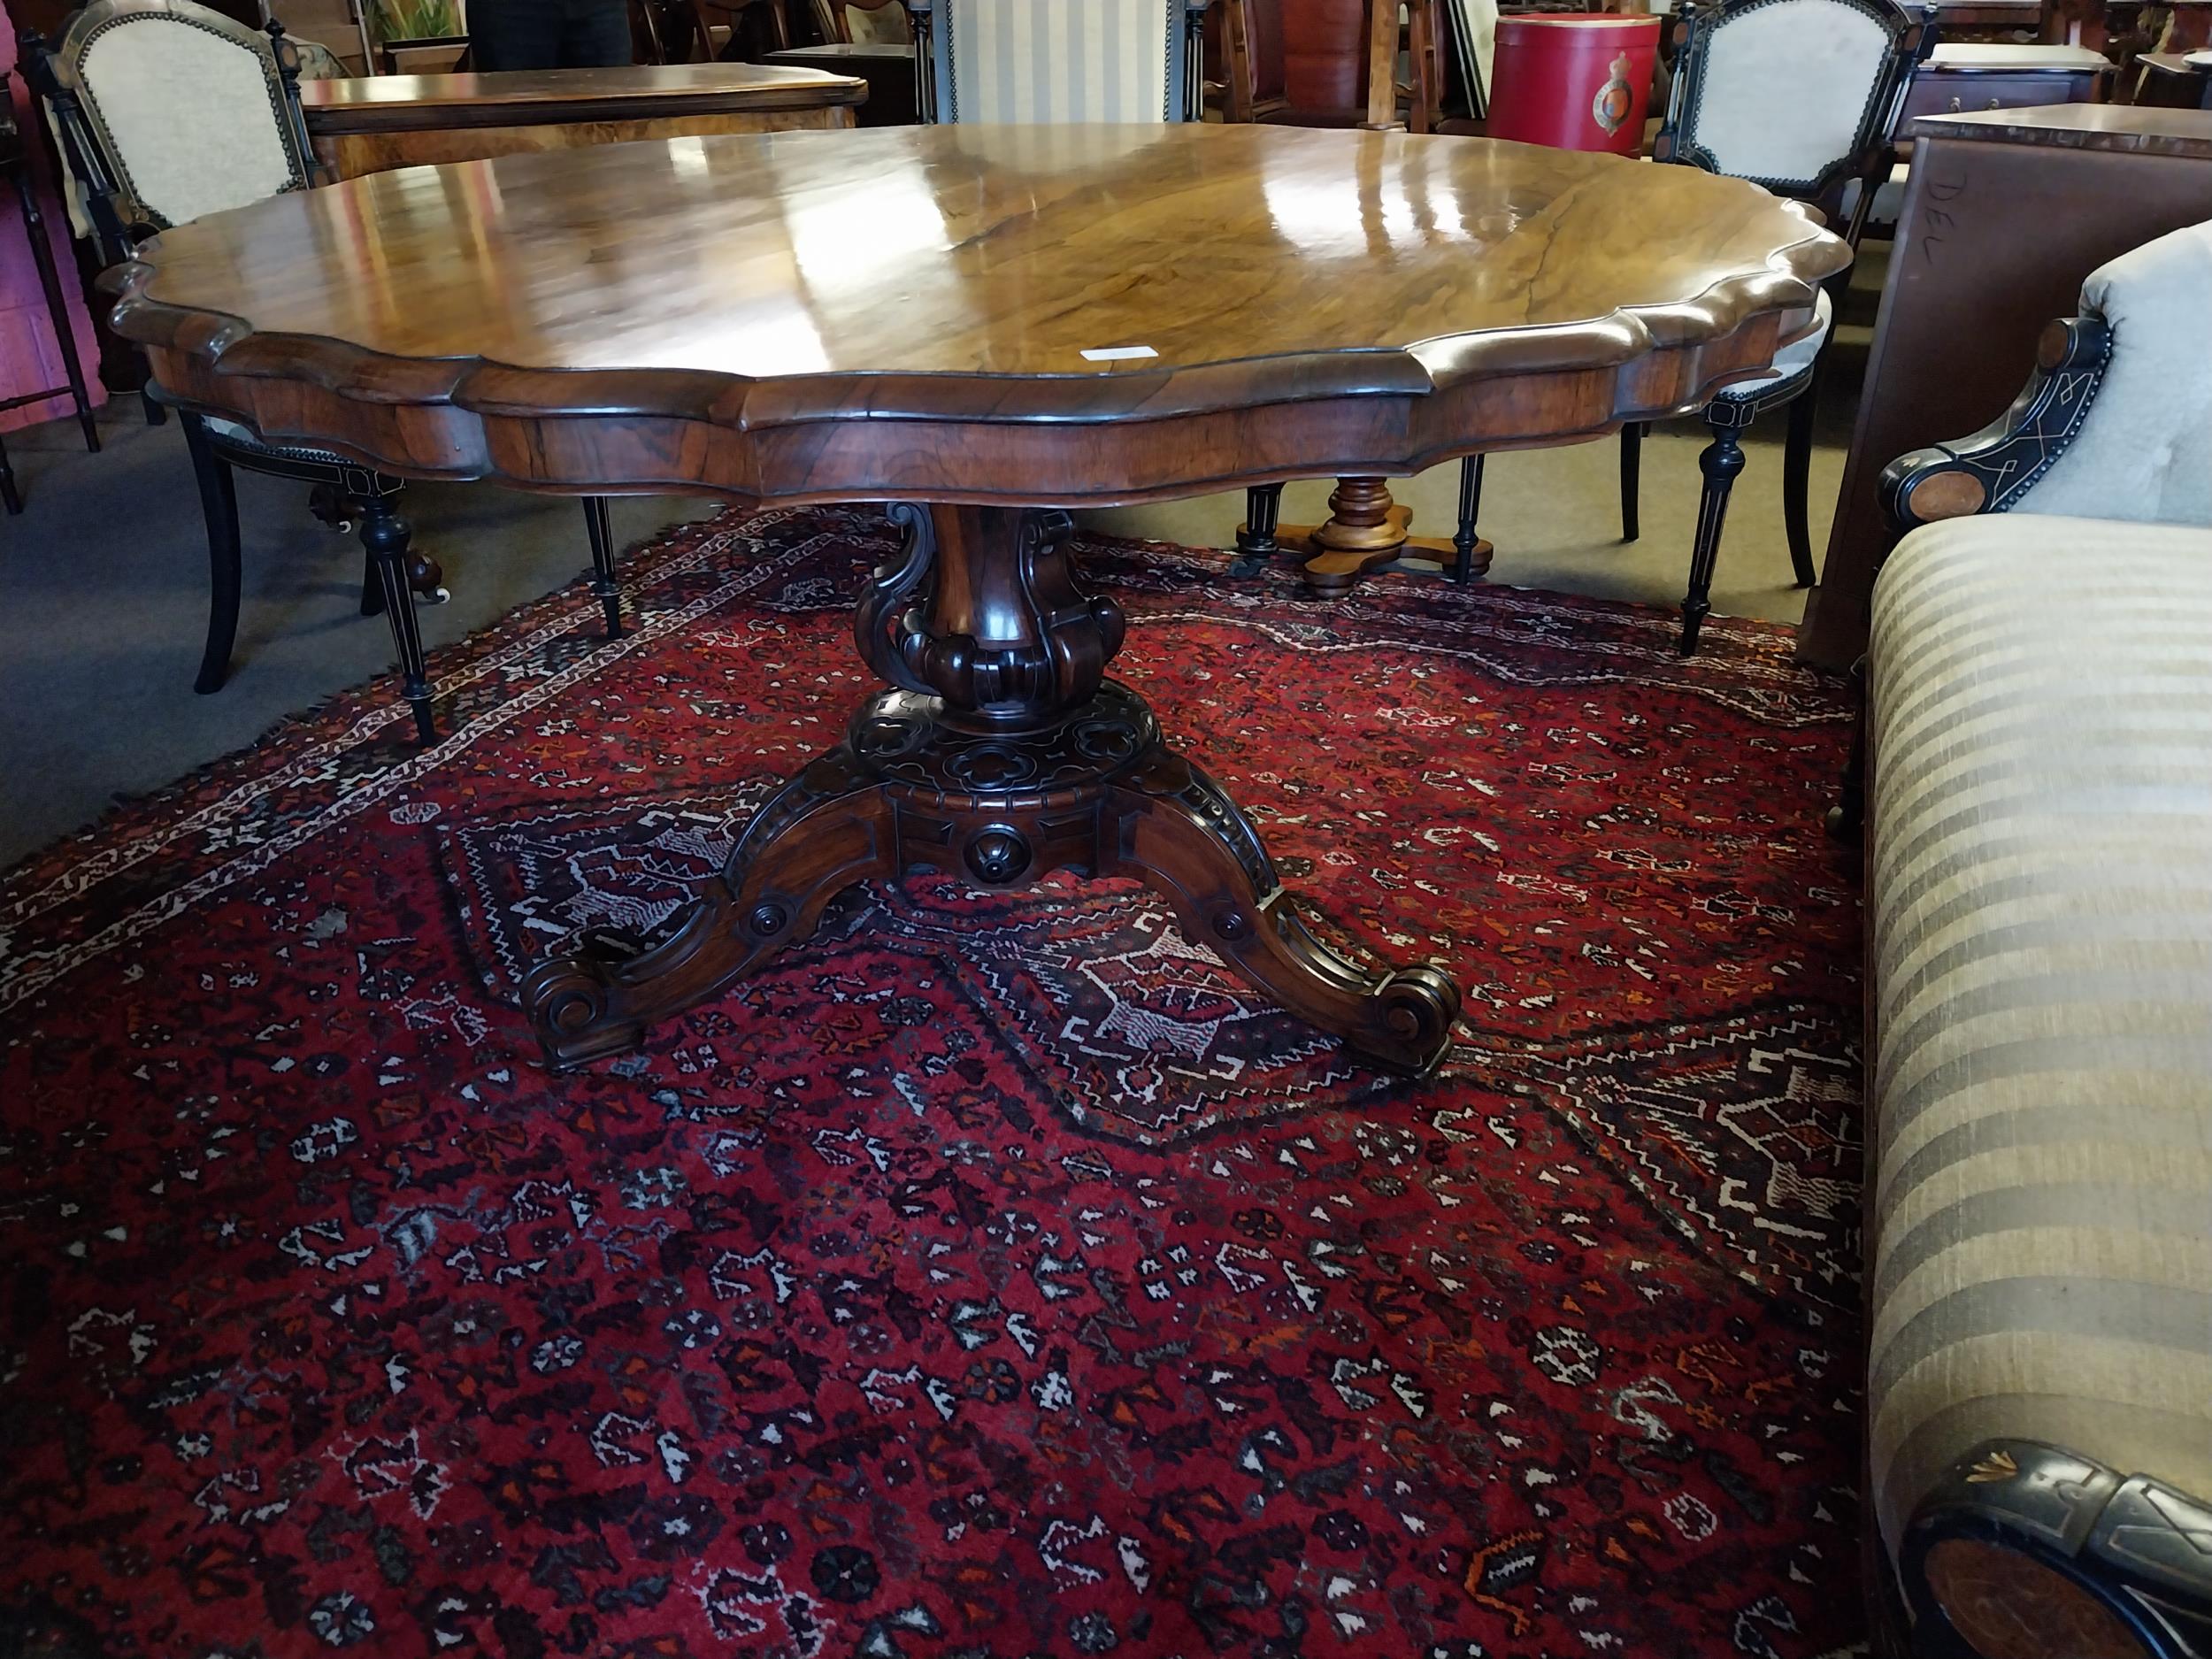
(119, 215)
(938, 88)
(1912, 38)
(836, 27)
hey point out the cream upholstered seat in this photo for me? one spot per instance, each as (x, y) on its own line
(2039, 1285)
(2040, 1263)
(1785, 91)
(167, 111)
(1800, 96)
(1036, 61)
(189, 107)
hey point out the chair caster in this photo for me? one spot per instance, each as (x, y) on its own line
(437, 595)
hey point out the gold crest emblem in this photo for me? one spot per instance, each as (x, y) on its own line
(1614, 98)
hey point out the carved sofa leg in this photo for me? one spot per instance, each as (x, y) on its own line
(2024, 1551)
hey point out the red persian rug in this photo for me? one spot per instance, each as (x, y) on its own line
(996, 1276)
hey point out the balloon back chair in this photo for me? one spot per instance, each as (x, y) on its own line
(1028, 61)
(168, 111)
(1802, 97)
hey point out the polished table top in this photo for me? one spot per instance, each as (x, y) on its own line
(537, 94)
(986, 276)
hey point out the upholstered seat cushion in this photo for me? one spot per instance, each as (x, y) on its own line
(1792, 362)
(2039, 893)
(2145, 451)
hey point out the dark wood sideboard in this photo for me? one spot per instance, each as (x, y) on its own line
(2007, 211)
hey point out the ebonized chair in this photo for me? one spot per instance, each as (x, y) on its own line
(167, 111)
(961, 45)
(1800, 96)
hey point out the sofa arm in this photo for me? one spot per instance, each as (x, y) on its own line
(1989, 471)
(2024, 1549)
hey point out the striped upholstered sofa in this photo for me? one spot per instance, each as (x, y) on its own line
(2039, 891)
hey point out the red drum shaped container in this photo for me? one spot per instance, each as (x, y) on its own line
(1573, 82)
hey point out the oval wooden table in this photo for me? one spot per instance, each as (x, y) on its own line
(983, 326)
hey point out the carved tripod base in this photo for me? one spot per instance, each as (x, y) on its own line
(1099, 793)
(1002, 753)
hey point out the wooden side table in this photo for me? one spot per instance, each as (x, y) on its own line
(381, 122)
(888, 68)
(15, 165)
(2170, 81)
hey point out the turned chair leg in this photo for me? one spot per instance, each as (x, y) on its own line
(597, 526)
(1255, 536)
(219, 505)
(341, 512)
(1632, 479)
(10, 496)
(1464, 540)
(1797, 468)
(57, 308)
(384, 535)
(1721, 462)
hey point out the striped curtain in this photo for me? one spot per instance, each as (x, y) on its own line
(1029, 61)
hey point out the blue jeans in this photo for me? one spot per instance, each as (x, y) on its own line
(548, 33)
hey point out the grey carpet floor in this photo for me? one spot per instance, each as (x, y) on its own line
(106, 581)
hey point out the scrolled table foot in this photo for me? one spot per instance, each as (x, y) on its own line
(824, 830)
(1182, 835)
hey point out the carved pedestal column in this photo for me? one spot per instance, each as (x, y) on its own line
(999, 752)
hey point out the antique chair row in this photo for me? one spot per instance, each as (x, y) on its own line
(165, 112)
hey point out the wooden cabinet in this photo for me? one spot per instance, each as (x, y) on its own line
(1940, 89)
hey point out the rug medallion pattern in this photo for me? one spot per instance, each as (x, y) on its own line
(995, 1275)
